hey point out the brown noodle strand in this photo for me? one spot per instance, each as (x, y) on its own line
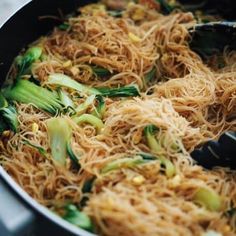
(189, 101)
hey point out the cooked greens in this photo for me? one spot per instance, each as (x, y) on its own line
(66, 81)
(154, 145)
(59, 133)
(208, 198)
(40, 149)
(91, 119)
(101, 107)
(78, 218)
(8, 115)
(124, 163)
(27, 92)
(74, 158)
(24, 62)
(100, 71)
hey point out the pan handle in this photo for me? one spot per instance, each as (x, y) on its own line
(15, 218)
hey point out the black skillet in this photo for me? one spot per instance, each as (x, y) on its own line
(19, 213)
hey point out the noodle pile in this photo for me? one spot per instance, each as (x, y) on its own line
(188, 100)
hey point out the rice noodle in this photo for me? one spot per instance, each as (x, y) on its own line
(189, 101)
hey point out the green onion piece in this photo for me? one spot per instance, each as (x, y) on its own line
(27, 92)
(59, 133)
(65, 81)
(93, 120)
(208, 198)
(78, 218)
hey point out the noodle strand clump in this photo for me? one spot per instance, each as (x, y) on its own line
(130, 168)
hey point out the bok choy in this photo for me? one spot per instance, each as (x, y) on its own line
(27, 92)
(24, 62)
(59, 132)
(8, 115)
(78, 218)
(153, 144)
(65, 81)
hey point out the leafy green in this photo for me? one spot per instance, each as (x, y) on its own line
(115, 13)
(147, 156)
(165, 6)
(24, 62)
(100, 71)
(3, 101)
(153, 144)
(126, 91)
(66, 81)
(59, 133)
(41, 150)
(87, 187)
(65, 99)
(169, 166)
(78, 218)
(124, 163)
(9, 116)
(64, 26)
(208, 198)
(72, 155)
(150, 132)
(27, 92)
(91, 119)
(101, 107)
(84, 106)
(150, 75)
